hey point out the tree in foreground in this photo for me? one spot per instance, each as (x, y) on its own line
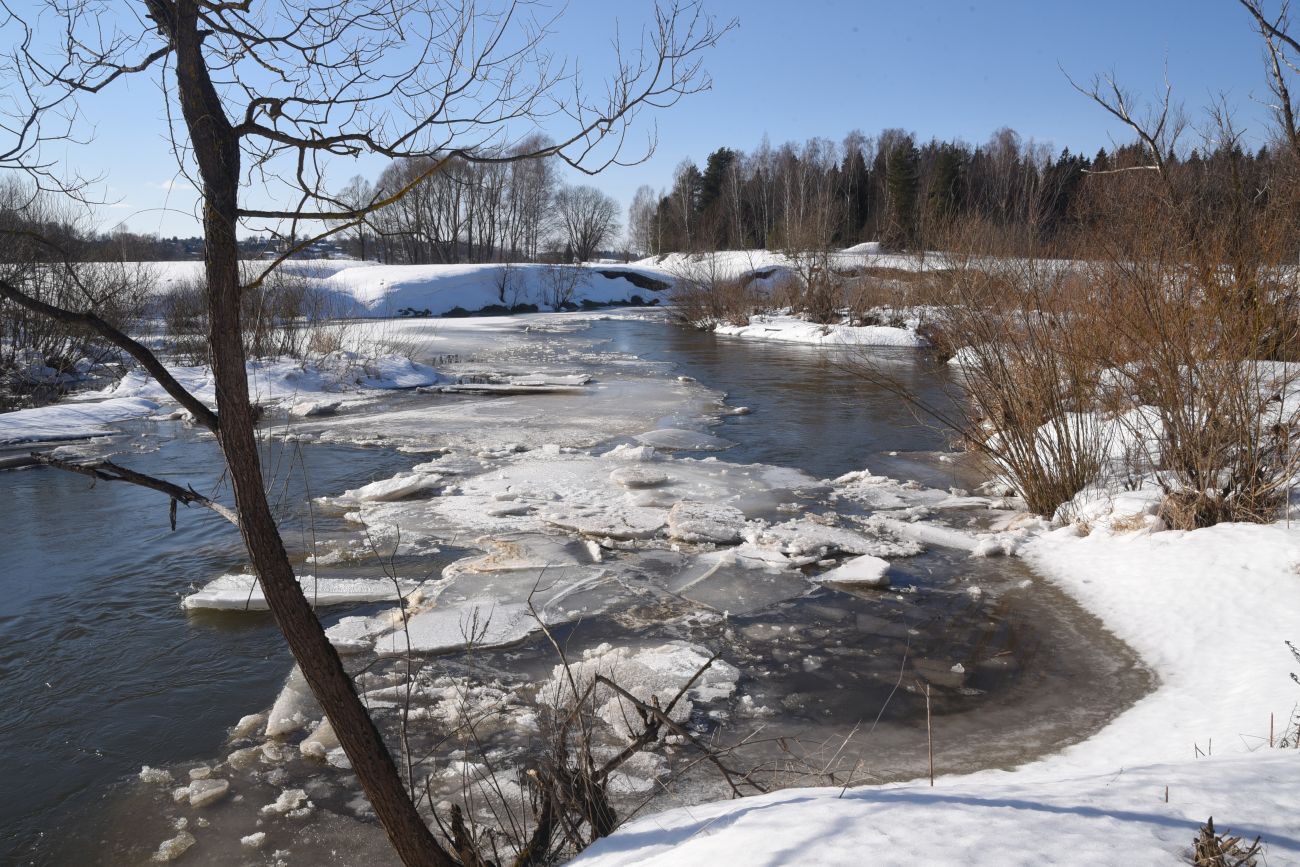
(264, 99)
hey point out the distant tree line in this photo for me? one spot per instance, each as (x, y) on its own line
(480, 211)
(795, 197)
(911, 195)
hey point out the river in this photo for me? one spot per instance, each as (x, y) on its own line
(102, 671)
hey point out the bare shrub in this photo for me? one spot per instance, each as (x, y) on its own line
(560, 284)
(508, 285)
(705, 294)
(283, 316)
(870, 297)
(40, 355)
(1026, 370)
(1199, 319)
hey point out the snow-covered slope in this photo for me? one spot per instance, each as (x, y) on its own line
(354, 288)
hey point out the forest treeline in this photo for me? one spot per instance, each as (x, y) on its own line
(1023, 196)
(909, 195)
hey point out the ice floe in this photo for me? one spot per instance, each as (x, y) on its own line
(244, 592)
(866, 571)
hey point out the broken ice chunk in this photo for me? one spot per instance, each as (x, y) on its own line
(204, 792)
(864, 571)
(740, 581)
(288, 801)
(634, 454)
(244, 593)
(293, 707)
(481, 622)
(156, 776)
(681, 439)
(315, 408)
(705, 522)
(247, 725)
(399, 487)
(170, 850)
(647, 673)
(637, 477)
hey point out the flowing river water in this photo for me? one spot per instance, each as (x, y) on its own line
(101, 671)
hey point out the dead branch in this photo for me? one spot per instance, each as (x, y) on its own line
(107, 471)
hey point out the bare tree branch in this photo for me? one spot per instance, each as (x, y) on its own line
(107, 471)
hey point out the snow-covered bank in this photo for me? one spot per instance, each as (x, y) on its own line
(792, 329)
(282, 382)
(356, 288)
(1115, 818)
(1208, 610)
(728, 264)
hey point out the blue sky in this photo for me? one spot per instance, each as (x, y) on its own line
(794, 70)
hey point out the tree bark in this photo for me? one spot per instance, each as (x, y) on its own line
(216, 150)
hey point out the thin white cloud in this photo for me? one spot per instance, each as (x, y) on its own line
(173, 184)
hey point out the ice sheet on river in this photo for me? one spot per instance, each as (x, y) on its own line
(495, 599)
(545, 492)
(244, 593)
(575, 417)
(741, 580)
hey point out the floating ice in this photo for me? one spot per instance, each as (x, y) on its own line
(636, 454)
(244, 593)
(866, 571)
(155, 776)
(170, 850)
(288, 801)
(636, 477)
(399, 487)
(204, 792)
(648, 673)
(315, 408)
(480, 622)
(740, 581)
(705, 522)
(293, 707)
(680, 439)
(247, 725)
(320, 741)
(807, 541)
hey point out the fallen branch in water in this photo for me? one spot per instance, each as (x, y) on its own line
(110, 472)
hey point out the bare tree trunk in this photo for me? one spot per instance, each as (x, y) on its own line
(216, 149)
